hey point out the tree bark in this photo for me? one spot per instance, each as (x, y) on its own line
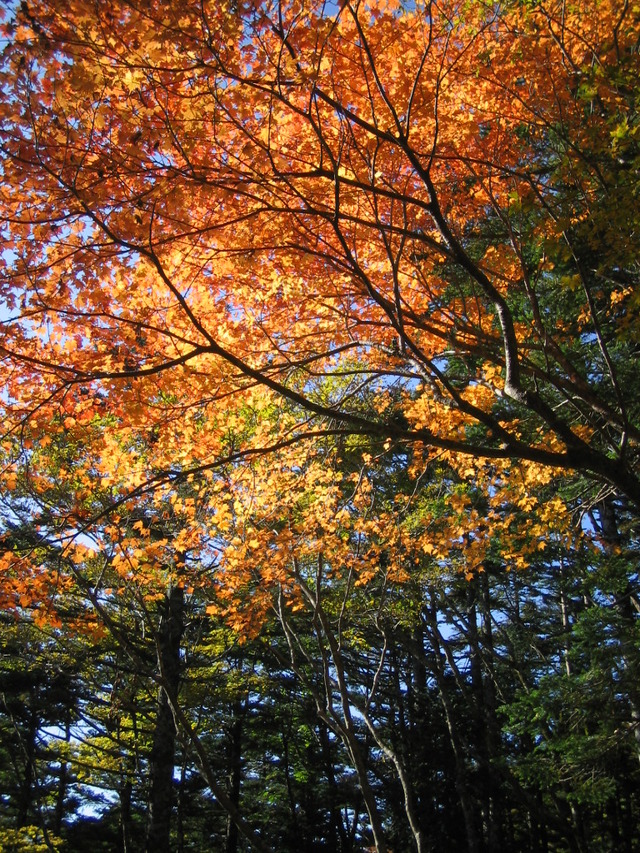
(235, 771)
(467, 804)
(164, 737)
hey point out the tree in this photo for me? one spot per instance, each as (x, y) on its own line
(207, 200)
(38, 690)
(376, 626)
(265, 263)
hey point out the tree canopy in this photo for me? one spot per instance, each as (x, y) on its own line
(319, 327)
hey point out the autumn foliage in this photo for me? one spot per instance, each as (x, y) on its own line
(258, 257)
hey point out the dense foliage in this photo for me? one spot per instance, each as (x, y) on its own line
(319, 469)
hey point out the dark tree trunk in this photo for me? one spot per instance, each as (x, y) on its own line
(462, 785)
(339, 837)
(235, 771)
(491, 746)
(63, 778)
(164, 737)
(125, 793)
(27, 795)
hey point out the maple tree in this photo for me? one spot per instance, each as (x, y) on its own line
(199, 202)
(259, 258)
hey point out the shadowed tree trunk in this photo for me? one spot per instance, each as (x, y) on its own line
(235, 770)
(164, 737)
(125, 793)
(440, 654)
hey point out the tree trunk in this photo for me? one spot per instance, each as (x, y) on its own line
(491, 746)
(125, 793)
(163, 750)
(235, 771)
(63, 779)
(27, 803)
(461, 771)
